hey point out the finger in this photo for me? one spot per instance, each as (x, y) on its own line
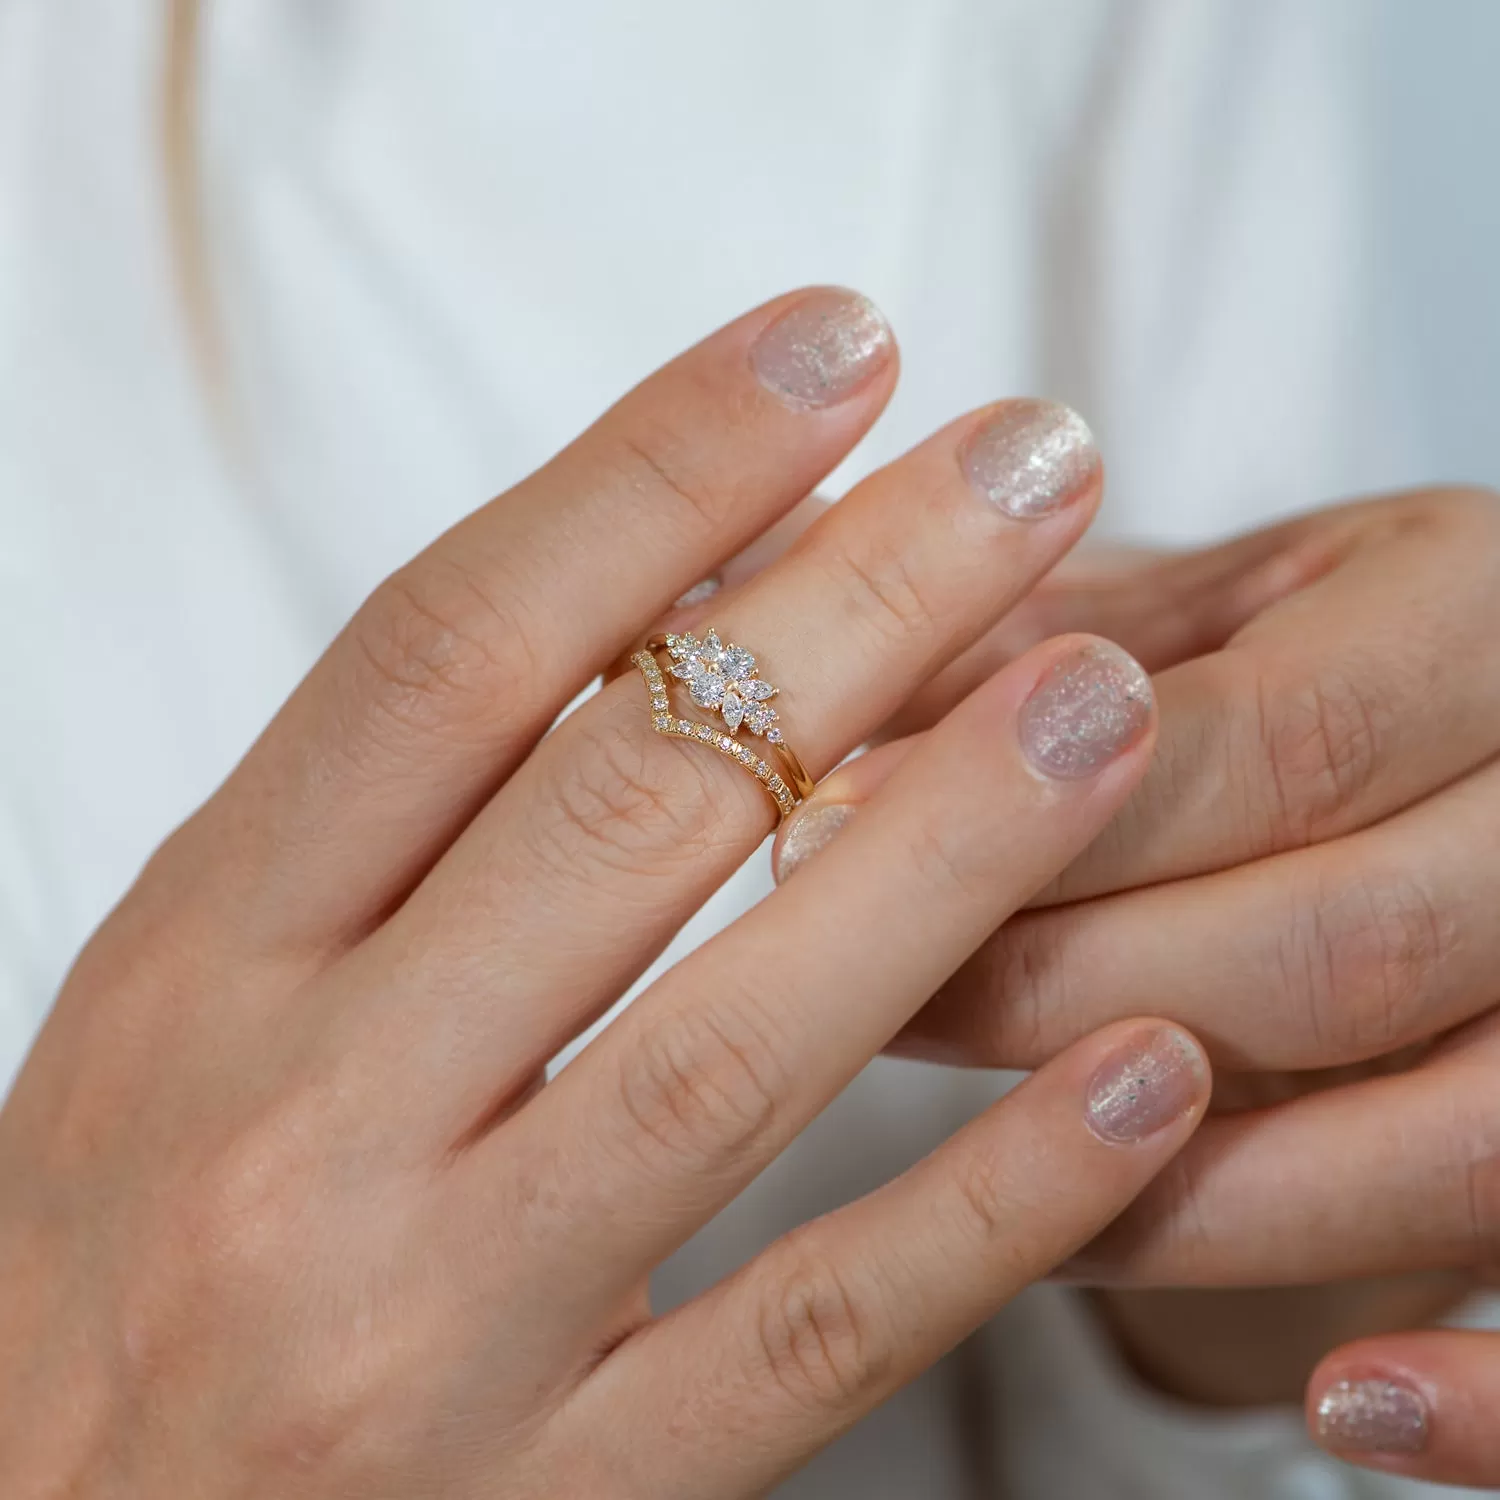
(587, 863)
(743, 1385)
(838, 798)
(709, 1075)
(1314, 959)
(1337, 707)
(694, 609)
(452, 669)
(1418, 1404)
(1392, 1174)
(1163, 609)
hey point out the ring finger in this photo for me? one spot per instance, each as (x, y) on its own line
(589, 859)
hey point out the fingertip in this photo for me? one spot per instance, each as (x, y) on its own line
(823, 347)
(1368, 1413)
(807, 832)
(1030, 459)
(1152, 1085)
(1090, 705)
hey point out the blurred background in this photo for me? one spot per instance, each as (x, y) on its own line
(286, 286)
(297, 282)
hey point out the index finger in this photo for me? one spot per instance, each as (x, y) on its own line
(453, 668)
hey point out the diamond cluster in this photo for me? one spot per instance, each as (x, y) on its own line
(664, 722)
(722, 678)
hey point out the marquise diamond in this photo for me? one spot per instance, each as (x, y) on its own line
(722, 676)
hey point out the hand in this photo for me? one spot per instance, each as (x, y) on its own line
(1307, 876)
(286, 1206)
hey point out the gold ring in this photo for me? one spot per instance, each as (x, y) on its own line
(723, 679)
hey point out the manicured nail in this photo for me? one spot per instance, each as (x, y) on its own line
(1091, 706)
(811, 830)
(822, 350)
(1031, 458)
(1144, 1087)
(698, 593)
(1373, 1416)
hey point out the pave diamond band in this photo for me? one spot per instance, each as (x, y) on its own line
(722, 678)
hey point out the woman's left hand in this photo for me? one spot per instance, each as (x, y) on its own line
(1307, 878)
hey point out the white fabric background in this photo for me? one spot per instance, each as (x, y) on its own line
(1255, 244)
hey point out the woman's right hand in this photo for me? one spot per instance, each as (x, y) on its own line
(285, 1207)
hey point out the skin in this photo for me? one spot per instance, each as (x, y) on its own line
(1306, 876)
(287, 1207)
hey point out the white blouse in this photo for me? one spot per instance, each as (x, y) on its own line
(1255, 244)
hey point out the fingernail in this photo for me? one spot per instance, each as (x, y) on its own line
(1373, 1416)
(822, 350)
(1144, 1087)
(1091, 706)
(698, 593)
(809, 832)
(1031, 458)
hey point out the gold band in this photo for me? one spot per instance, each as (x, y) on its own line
(665, 722)
(724, 678)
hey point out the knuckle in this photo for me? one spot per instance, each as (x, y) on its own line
(619, 797)
(246, 1213)
(324, 1417)
(1011, 1004)
(1030, 1006)
(1481, 1210)
(887, 593)
(1366, 958)
(1321, 738)
(1168, 1226)
(225, 1242)
(701, 1087)
(985, 1206)
(947, 865)
(817, 1340)
(656, 457)
(244, 1246)
(441, 649)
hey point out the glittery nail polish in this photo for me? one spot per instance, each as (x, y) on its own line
(1031, 458)
(822, 349)
(810, 830)
(1144, 1087)
(1091, 706)
(1373, 1416)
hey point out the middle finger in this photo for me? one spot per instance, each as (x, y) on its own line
(591, 857)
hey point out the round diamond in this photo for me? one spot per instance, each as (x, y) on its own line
(735, 661)
(707, 689)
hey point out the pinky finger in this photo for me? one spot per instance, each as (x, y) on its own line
(1421, 1405)
(740, 1387)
